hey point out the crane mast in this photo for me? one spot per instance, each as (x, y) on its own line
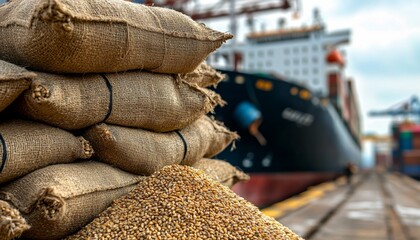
(200, 11)
(407, 108)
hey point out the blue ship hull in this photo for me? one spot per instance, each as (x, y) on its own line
(302, 134)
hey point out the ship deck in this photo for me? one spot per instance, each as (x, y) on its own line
(376, 205)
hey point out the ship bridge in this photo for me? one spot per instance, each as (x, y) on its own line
(284, 34)
(298, 54)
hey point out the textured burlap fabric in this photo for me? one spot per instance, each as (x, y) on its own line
(26, 146)
(221, 171)
(13, 81)
(12, 224)
(59, 199)
(143, 152)
(157, 102)
(79, 36)
(204, 76)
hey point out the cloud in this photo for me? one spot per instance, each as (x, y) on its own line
(349, 7)
(383, 56)
(381, 93)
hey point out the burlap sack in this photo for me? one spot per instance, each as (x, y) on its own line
(153, 101)
(143, 152)
(26, 146)
(12, 224)
(79, 36)
(59, 199)
(221, 171)
(13, 81)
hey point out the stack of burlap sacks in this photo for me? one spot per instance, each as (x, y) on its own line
(115, 92)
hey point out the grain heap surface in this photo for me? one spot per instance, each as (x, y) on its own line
(179, 202)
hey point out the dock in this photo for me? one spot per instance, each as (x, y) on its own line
(374, 206)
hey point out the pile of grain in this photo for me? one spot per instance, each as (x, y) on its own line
(179, 202)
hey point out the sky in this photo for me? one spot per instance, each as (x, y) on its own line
(383, 56)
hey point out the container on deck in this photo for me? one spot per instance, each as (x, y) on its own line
(413, 171)
(406, 140)
(416, 138)
(411, 157)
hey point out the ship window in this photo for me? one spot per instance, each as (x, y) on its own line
(260, 65)
(251, 54)
(226, 78)
(251, 66)
(239, 80)
(315, 70)
(287, 62)
(316, 81)
(304, 60)
(296, 72)
(304, 71)
(286, 51)
(287, 73)
(270, 52)
(268, 63)
(304, 49)
(260, 53)
(295, 50)
(315, 60)
(296, 61)
(314, 48)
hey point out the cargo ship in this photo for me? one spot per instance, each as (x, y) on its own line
(291, 132)
(290, 101)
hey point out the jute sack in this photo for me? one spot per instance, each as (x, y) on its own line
(59, 199)
(79, 36)
(158, 102)
(143, 152)
(26, 146)
(13, 81)
(221, 171)
(12, 224)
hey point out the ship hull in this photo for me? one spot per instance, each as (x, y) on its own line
(306, 140)
(303, 135)
(264, 189)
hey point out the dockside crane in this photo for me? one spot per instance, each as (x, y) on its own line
(216, 9)
(409, 109)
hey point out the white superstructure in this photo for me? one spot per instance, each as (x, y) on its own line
(297, 54)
